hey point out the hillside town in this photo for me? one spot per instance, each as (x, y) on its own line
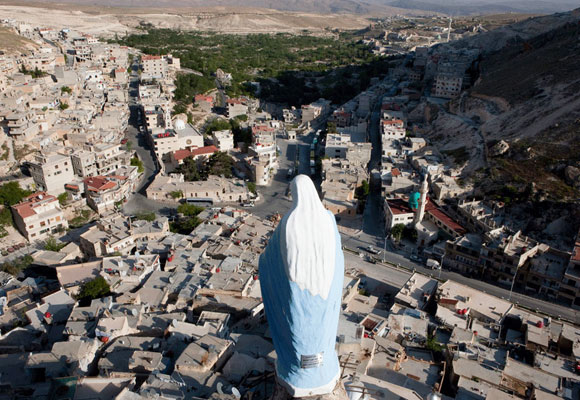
(131, 232)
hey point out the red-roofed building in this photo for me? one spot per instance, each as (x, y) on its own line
(204, 102)
(39, 216)
(200, 154)
(397, 211)
(158, 66)
(102, 192)
(443, 221)
(236, 107)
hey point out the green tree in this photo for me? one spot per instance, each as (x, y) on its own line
(129, 145)
(94, 289)
(63, 106)
(217, 124)
(185, 225)
(221, 163)
(189, 210)
(137, 163)
(63, 198)
(17, 265)
(6, 216)
(362, 191)
(252, 187)
(51, 244)
(397, 231)
(146, 216)
(11, 193)
(176, 194)
(65, 89)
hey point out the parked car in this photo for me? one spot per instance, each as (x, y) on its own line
(124, 141)
(372, 250)
(415, 258)
(248, 204)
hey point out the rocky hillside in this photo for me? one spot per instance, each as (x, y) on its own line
(519, 126)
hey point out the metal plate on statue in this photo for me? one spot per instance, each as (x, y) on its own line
(311, 361)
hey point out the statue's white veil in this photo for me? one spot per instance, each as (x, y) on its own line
(308, 241)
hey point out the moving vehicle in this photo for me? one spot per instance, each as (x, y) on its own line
(433, 264)
(290, 173)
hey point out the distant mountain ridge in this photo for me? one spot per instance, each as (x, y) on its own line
(379, 7)
(472, 7)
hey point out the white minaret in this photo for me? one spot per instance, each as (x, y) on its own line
(420, 213)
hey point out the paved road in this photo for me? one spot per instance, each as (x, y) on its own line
(138, 201)
(554, 310)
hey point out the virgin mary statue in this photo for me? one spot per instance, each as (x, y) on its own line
(301, 276)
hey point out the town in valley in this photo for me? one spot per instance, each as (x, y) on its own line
(144, 168)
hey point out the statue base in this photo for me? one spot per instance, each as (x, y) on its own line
(339, 393)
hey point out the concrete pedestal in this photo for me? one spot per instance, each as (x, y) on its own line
(339, 393)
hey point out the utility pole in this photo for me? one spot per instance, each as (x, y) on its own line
(512, 287)
(384, 249)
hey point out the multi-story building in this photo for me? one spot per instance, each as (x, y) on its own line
(51, 172)
(312, 111)
(236, 107)
(104, 192)
(100, 159)
(336, 145)
(570, 286)
(462, 254)
(215, 189)
(157, 116)
(168, 141)
(223, 140)
(159, 66)
(393, 129)
(504, 254)
(447, 85)
(154, 66)
(38, 216)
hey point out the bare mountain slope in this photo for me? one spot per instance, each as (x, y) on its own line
(528, 95)
(310, 6)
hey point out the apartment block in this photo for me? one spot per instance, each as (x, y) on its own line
(51, 172)
(39, 216)
(223, 140)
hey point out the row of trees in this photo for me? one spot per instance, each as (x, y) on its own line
(219, 164)
(288, 67)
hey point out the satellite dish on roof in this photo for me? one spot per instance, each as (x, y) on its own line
(219, 388)
(134, 312)
(174, 323)
(236, 393)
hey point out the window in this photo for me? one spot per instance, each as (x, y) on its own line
(42, 223)
(30, 226)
